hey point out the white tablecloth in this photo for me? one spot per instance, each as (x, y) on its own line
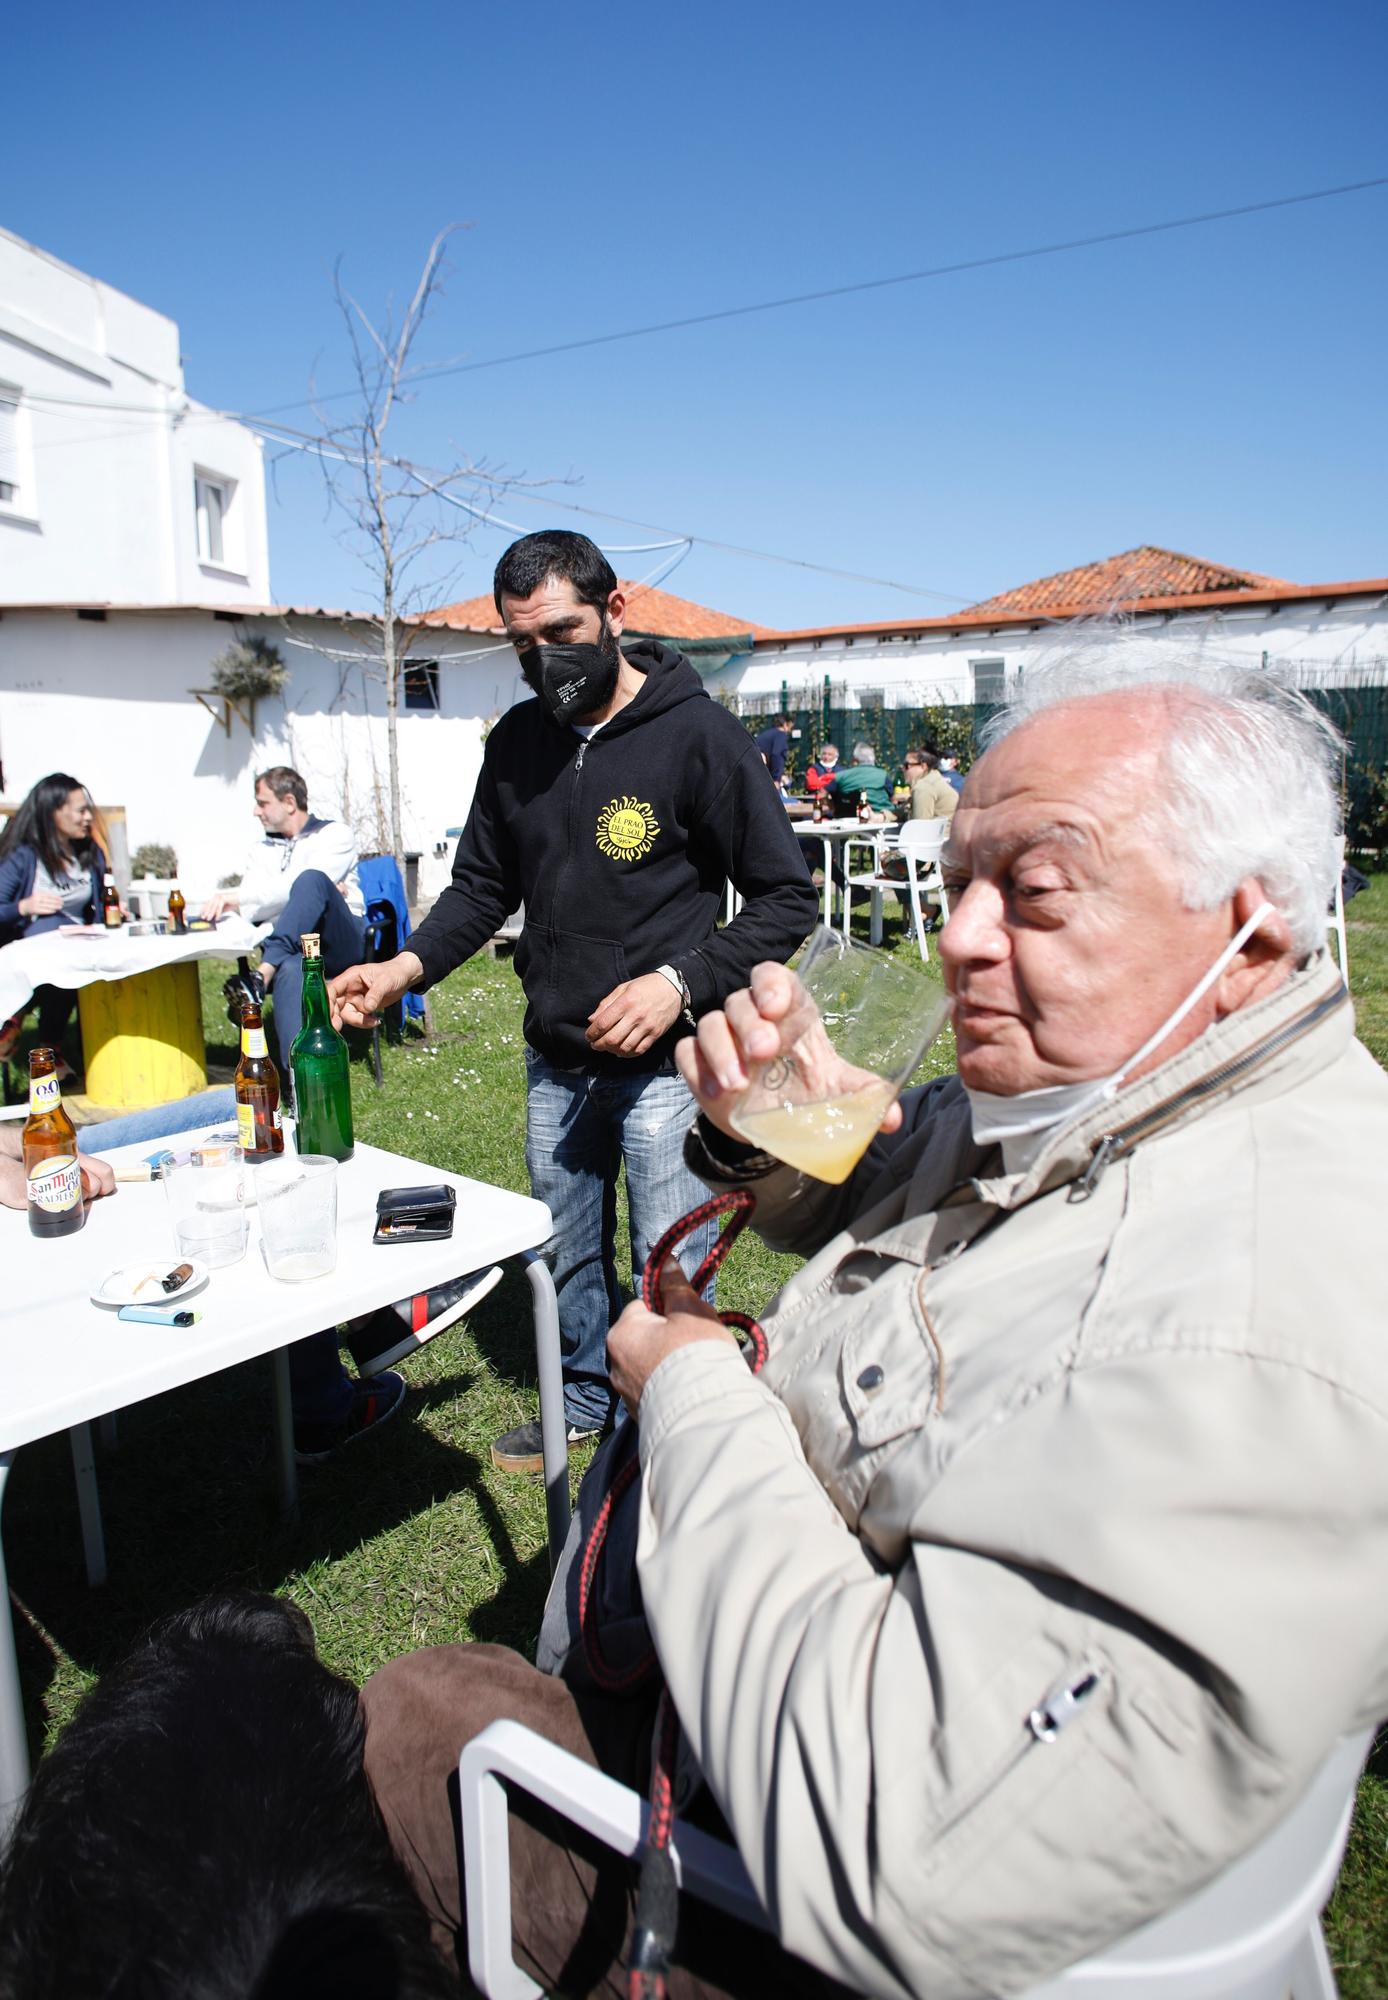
(56, 958)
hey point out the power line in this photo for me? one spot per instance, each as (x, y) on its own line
(427, 374)
(440, 370)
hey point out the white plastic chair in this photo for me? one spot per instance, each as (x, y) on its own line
(1251, 1934)
(920, 844)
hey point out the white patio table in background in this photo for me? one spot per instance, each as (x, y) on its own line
(64, 1361)
(841, 832)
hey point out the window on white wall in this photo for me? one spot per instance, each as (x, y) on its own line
(422, 684)
(989, 679)
(13, 497)
(212, 497)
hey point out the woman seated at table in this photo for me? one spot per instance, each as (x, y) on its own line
(50, 875)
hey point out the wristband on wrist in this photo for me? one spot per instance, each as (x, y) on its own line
(681, 986)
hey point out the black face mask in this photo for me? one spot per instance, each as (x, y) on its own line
(574, 680)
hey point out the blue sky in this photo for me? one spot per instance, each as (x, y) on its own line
(1219, 390)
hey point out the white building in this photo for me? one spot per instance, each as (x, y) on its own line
(1328, 633)
(120, 698)
(116, 487)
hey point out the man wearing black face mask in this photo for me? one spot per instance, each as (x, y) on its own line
(615, 806)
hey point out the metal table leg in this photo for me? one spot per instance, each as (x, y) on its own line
(88, 1503)
(554, 1431)
(287, 1466)
(14, 1746)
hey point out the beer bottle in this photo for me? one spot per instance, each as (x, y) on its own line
(178, 921)
(257, 1091)
(318, 1066)
(864, 808)
(817, 810)
(110, 903)
(54, 1178)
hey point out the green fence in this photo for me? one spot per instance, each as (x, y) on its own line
(1359, 712)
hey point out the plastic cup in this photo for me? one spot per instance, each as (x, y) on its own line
(858, 1032)
(297, 1197)
(206, 1193)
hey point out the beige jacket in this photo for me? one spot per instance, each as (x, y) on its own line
(933, 797)
(1038, 1573)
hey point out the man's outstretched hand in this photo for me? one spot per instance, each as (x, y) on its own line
(359, 996)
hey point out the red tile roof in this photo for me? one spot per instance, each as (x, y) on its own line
(650, 613)
(1135, 575)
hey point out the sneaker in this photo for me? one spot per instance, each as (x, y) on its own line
(522, 1450)
(374, 1403)
(391, 1332)
(243, 988)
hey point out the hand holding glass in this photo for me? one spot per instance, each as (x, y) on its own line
(859, 1028)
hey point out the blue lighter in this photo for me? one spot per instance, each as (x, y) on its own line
(161, 1315)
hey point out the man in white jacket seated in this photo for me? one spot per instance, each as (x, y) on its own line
(1035, 1576)
(300, 876)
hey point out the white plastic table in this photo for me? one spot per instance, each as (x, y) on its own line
(64, 1361)
(842, 831)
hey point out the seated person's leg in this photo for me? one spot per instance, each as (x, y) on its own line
(572, 1900)
(315, 904)
(160, 1121)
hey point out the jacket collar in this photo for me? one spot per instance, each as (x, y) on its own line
(1296, 1031)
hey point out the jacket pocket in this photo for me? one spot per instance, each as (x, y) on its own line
(567, 975)
(1042, 1847)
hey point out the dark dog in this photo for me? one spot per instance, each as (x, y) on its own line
(204, 1830)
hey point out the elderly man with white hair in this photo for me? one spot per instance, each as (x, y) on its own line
(1036, 1574)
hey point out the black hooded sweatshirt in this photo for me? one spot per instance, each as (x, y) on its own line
(619, 846)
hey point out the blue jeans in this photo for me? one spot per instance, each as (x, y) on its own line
(580, 1128)
(315, 904)
(320, 1387)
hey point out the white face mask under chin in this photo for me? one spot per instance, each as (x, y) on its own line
(1026, 1122)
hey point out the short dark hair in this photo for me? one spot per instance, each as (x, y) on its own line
(285, 784)
(555, 552)
(267, 1876)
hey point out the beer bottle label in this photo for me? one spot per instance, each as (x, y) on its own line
(253, 1042)
(56, 1186)
(245, 1127)
(45, 1094)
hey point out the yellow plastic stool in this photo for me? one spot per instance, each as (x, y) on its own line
(142, 1038)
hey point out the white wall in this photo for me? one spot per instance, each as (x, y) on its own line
(110, 702)
(108, 441)
(1349, 633)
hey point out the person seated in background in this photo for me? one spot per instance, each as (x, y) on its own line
(932, 795)
(774, 743)
(864, 779)
(821, 772)
(330, 1408)
(950, 767)
(203, 1826)
(1039, 1570)
(51, 872)
(301, 876)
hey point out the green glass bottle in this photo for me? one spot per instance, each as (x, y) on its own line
(319, 1068)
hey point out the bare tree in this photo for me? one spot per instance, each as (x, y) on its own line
(398, 518)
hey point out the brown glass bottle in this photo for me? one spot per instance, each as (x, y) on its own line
(56, 1206)
(110, 903)
(257, 1092)
(178, 909)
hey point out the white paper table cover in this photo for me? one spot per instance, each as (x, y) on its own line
(52, 959)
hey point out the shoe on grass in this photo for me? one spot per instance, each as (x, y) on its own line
(389, 1334)
(522, 1450)
(244, 988)
(374, 1402)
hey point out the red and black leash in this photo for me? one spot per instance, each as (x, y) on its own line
(657, 1899)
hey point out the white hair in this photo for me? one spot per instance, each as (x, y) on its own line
(863, 753)
(1253, 772)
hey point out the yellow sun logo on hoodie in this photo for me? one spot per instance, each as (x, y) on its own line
(626, 828)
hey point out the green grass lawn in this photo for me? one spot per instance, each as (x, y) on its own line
(413, 1540)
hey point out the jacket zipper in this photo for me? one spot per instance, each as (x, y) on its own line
(1112, 1144)
(1065, 1703)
